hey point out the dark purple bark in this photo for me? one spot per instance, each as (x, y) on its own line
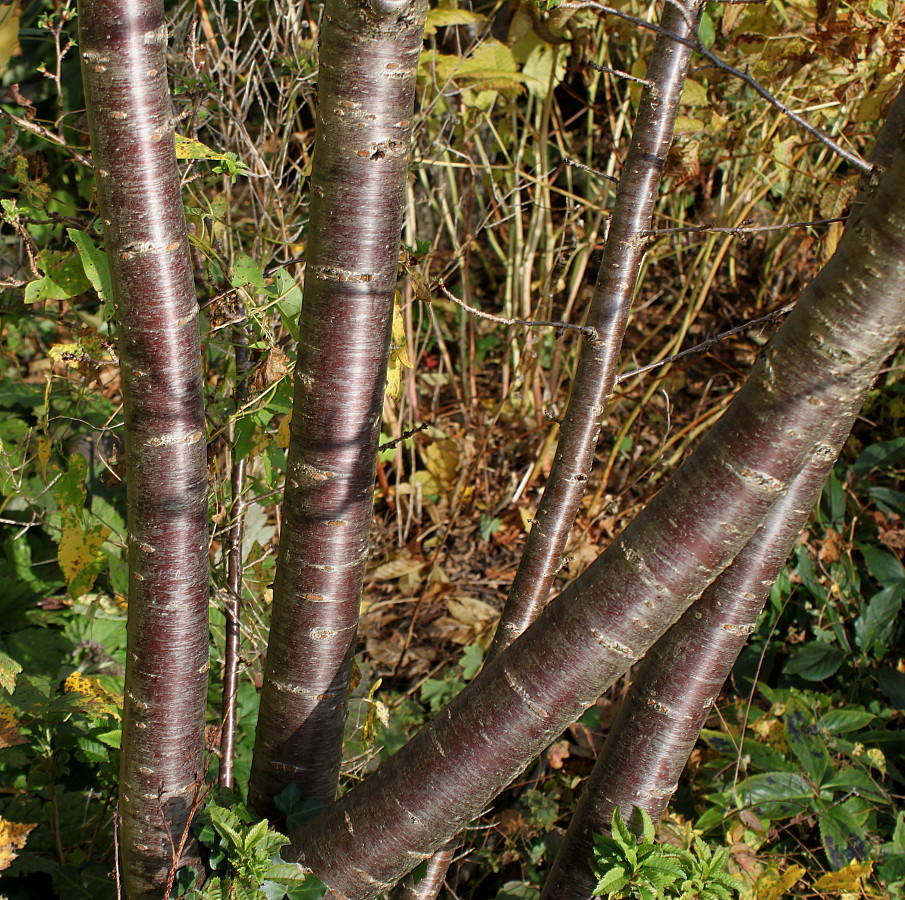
(123, 47)
(366, 88)
(675, 686)
(814, 373)
(636, 198)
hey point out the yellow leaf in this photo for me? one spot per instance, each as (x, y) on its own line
(186, 148)
(12, 837)
(847, 878)
(9, 34)
(442, 460)
(688, 125)
(94, 697)
(694, 94)
(773, 886)
(283, 432)
(876, 758)
(439, 18)
(399, 357)
(378, 716)
(10, 736)
(79, 553)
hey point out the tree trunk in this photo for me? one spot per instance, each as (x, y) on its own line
(675, 686)
(366, 89)
(814, 373)
(608, 314)
(123, 47)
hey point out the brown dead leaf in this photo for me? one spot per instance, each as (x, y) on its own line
(832, 548)
(272, 367)
(10, 736)
(12, 837)
(558, 754)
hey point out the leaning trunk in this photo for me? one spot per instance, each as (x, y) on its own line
(675, 687)
(123, 47)
(815, 372)
(636, 197)
(366, 89)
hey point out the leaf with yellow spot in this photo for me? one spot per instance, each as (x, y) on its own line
(10, 735)
(399, 357)
(93, 696)
(12, 837)
(186, 148)
(848, 878)
(79, 553)
(9, 669)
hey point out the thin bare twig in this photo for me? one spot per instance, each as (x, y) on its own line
(403, 437)
(695, 44)
(708, 343)
(739, 230)
(47, 134)
(569, 161)
(586, 330)
(618, 72)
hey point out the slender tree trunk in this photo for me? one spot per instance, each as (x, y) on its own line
(608, 314)
(233, 606)
(366, 88)
(123, 47)
(674, 688)
(636, 198)
(815, 372)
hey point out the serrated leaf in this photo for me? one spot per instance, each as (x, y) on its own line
(612, 881)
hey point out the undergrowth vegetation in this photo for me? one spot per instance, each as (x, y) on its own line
(523, 115)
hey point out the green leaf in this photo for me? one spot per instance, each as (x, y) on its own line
(815, 661)
(804, 740)
(843, 836)
(289, 304)
(471, 661)
(612, 881)
(882, 455)
(892, 683)
(776, 795)
(9, 670)
(94, 262)
(874, 628)
(885, 567)
(843, 721)
(247, 271)
(621, 832)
